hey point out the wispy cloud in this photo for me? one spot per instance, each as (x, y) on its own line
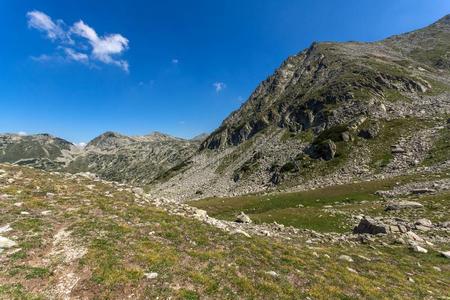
(40, 21)
(76, 56)
(219, 86)
(22, 133)
(175, 61)
(42, 58)
(103, 48)
(80, 42)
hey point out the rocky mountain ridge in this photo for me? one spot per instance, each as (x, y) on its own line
(134, 159)
(334, 113)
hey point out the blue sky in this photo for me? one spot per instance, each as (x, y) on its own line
(78, 68)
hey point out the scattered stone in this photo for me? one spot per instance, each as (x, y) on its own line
(419, 249)
(352, 270)
(445, 254)
(345, 136)
(437, 269)
(6, 243)
(272, 273)
(413, 237)
(345, 258)
(403, 205)
(5, 228)
(151, 275)
(424, 222)
(138, 191)
(396, 149)
(445, 224)
(25, 213)
(239, 231)
(422, 191)
(243, 218)
(364, 258)
(46, 212)
(200, 213)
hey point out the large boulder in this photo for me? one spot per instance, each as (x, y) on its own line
(370, 132)
(326, 150)
(371, 226)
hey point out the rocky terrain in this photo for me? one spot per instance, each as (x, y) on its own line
(139, 160)
(74, 236)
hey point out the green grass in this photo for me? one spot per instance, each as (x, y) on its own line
(283, 207)
(391, 131)
(441, 149)
(307, 209)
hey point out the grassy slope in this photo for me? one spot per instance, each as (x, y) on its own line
(284, 207)
(124, 240)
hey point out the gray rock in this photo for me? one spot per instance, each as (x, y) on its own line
(151, 275)
(243, 218)
(419, 249)
(445, 254)
(396, 149)
(345, 136)
(370, 132)
(424, 222)
(422, 191)
(326, 150)
(371, 226)
(403, 205)
(6, 243)
(345, 258)
(272, 273)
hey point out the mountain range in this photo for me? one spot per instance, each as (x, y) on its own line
(333, 113)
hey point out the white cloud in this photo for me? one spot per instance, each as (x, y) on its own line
(85, 45)
(22, 133)
(175, 61)
(42, 22)
(42, 58)
(103, 48)
(219, 86)
(76, 56)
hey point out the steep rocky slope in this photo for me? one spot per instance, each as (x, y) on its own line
(335, 112)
